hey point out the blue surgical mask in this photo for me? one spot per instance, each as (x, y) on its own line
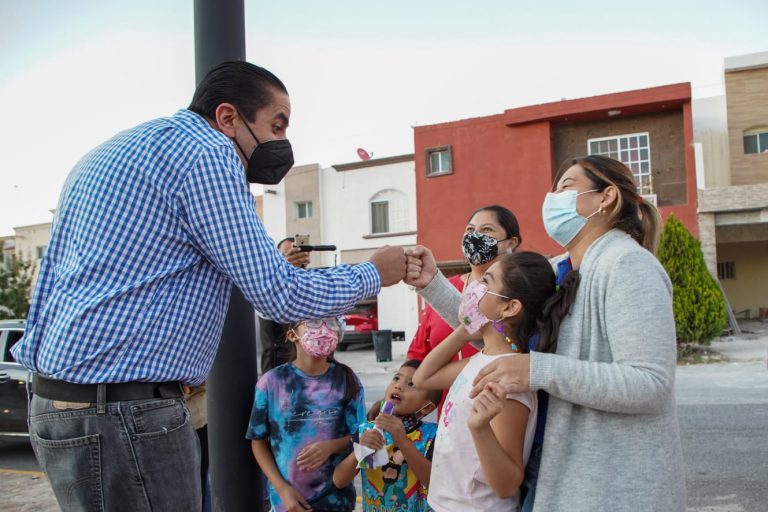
(561, 220)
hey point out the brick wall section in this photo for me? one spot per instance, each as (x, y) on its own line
(747, 97)
(745, 197)
(708, 239)
(666, 138)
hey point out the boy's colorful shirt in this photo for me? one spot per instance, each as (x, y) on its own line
(294, 410)
(394, 487)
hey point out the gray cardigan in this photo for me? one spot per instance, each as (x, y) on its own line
(612, 441)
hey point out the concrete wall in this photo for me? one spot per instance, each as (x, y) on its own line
(747, 96)
(749, 290)
(273, 205)
(302, 184)
(347, 216)
(710, 128)
(666, 140)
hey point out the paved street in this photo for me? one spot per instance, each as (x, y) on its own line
(723, 412)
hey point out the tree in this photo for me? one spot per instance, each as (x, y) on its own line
(15, 283)
(700, 313)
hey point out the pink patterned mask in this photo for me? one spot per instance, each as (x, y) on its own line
(469, 310)
(319, 342)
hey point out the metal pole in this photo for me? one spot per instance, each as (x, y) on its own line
(235, 476)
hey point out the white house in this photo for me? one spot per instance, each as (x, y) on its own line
(358, 207)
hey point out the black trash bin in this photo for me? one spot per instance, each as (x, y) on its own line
(382, 344)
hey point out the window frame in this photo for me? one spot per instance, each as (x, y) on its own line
(639, 161)
(757, 135)
(438, 149)
(726, 270)
(386, 217)
(308, 209)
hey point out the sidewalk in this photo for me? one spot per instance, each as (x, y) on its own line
(26, 492)
(752, 345)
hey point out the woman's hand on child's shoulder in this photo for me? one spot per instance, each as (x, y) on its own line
(393, 425)
(372, 439)
(312, 456)
(489, 403)
(292, 499)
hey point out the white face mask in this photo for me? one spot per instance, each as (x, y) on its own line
(561, 220)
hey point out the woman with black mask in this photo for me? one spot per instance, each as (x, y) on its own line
(490, 232)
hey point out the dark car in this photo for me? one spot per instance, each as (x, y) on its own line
(359, 325)
(13, 382)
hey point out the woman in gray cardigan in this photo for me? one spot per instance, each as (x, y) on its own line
(612, 439)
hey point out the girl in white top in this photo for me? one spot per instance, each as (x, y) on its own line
(483, 444)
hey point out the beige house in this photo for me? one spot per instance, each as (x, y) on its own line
(30, 243)
(733, 214)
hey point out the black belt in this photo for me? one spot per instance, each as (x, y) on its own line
(124, 391)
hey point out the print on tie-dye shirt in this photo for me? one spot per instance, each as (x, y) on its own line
(294, 410)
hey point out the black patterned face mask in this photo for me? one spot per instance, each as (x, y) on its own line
(479, 248)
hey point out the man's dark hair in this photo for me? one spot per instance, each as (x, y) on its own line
(246, 86)
(433, 395)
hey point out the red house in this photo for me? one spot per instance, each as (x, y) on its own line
(512, 158)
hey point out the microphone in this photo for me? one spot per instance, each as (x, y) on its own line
(310, 248)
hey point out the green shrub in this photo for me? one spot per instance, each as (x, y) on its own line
(700, 314)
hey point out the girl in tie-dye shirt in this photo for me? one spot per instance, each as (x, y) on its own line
(303, 415)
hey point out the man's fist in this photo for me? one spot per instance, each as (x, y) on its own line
(421, 267)
(391, 263)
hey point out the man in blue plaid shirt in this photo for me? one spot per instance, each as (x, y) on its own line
(152, 229)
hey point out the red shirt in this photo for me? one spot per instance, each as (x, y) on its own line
(432, 331)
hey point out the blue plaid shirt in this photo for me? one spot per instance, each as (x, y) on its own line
(152, 229)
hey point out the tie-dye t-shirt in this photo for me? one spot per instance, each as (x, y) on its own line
(294, 410)
(394, 487)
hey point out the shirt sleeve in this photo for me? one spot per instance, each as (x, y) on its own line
(640, 329)
(444, 298)
(218, 213)
(259, 422)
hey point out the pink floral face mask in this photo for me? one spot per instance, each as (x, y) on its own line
(469, 310)
(319, 342)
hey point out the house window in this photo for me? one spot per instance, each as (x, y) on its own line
(633, 150)
(40, 251)
(439, 161)
(726, 270)
(379, 217)
(756, 142)
(304, 210)
(389, 212)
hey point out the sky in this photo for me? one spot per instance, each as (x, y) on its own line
(360, 74)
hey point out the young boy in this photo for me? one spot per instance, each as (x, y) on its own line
(400, 485)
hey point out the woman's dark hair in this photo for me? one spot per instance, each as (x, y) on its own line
(505, 218)
(631, 213)
(352, 384)
(246, 86)
(528, 277)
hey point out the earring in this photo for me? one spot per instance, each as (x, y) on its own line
(512, 344)
(498, 325)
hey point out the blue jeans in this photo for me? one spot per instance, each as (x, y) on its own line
(139, 455)
(528, 489)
